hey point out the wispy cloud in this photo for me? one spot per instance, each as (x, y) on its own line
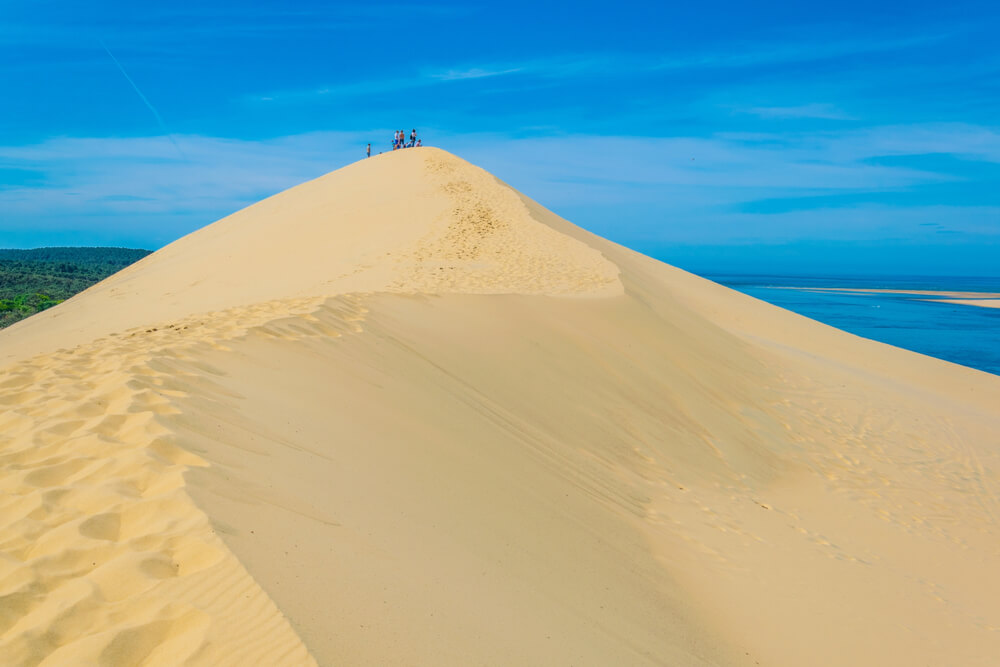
(814, 110)
(679, 188)
(621, 65)
(696, 189)
(973, 142)
(471, 73)
(138, 187)
(736, 166)
(145, 100)
(425, 77)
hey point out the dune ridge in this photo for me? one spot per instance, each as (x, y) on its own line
(106, 560)
(413, 222)
(982, 303)
(404, 414)
(96, 467)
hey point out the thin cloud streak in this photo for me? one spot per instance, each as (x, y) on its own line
(609, 65)
(145, 100)
(473, 73)
(815, 110)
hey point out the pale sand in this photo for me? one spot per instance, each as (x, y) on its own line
(401, 415)
(915, 292)
(982, 303)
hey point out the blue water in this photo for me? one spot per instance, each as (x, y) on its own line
(967, 335)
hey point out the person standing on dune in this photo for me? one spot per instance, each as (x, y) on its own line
(369, 151)
(413, 138)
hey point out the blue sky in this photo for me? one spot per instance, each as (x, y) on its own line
(856, 137)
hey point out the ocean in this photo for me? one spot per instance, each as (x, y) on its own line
(967, 335)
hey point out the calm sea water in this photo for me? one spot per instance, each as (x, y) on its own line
(967, 335)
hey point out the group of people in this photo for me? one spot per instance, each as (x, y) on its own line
(399, 141)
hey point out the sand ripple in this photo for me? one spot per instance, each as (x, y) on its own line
(104, 558)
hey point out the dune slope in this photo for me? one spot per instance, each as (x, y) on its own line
(402, 414)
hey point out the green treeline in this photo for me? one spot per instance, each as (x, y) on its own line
(36, 279)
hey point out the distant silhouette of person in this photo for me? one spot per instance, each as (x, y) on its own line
(418, 142)
(413, 137)
(369, 151)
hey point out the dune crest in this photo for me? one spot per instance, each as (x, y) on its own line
(93, 472)
(490, 244)
(402, 414)
(414, 221)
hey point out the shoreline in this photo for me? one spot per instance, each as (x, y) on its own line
(861, 290)
(981, 303)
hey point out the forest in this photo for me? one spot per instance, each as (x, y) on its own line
(39, 278)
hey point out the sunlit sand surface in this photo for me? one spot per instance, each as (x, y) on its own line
(913, 292)
(982, 303)
(402, 414)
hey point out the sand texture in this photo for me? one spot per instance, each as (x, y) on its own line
(402, 414)
(912, 292)
(982, 303)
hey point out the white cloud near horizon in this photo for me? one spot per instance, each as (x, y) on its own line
(674, 188)
(141, 187)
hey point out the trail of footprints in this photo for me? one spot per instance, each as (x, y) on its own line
(488, 243)
(104, 558)
(907, 466)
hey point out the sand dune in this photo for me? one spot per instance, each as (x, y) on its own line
(982, 303)
(403, 415)
(912, 292)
